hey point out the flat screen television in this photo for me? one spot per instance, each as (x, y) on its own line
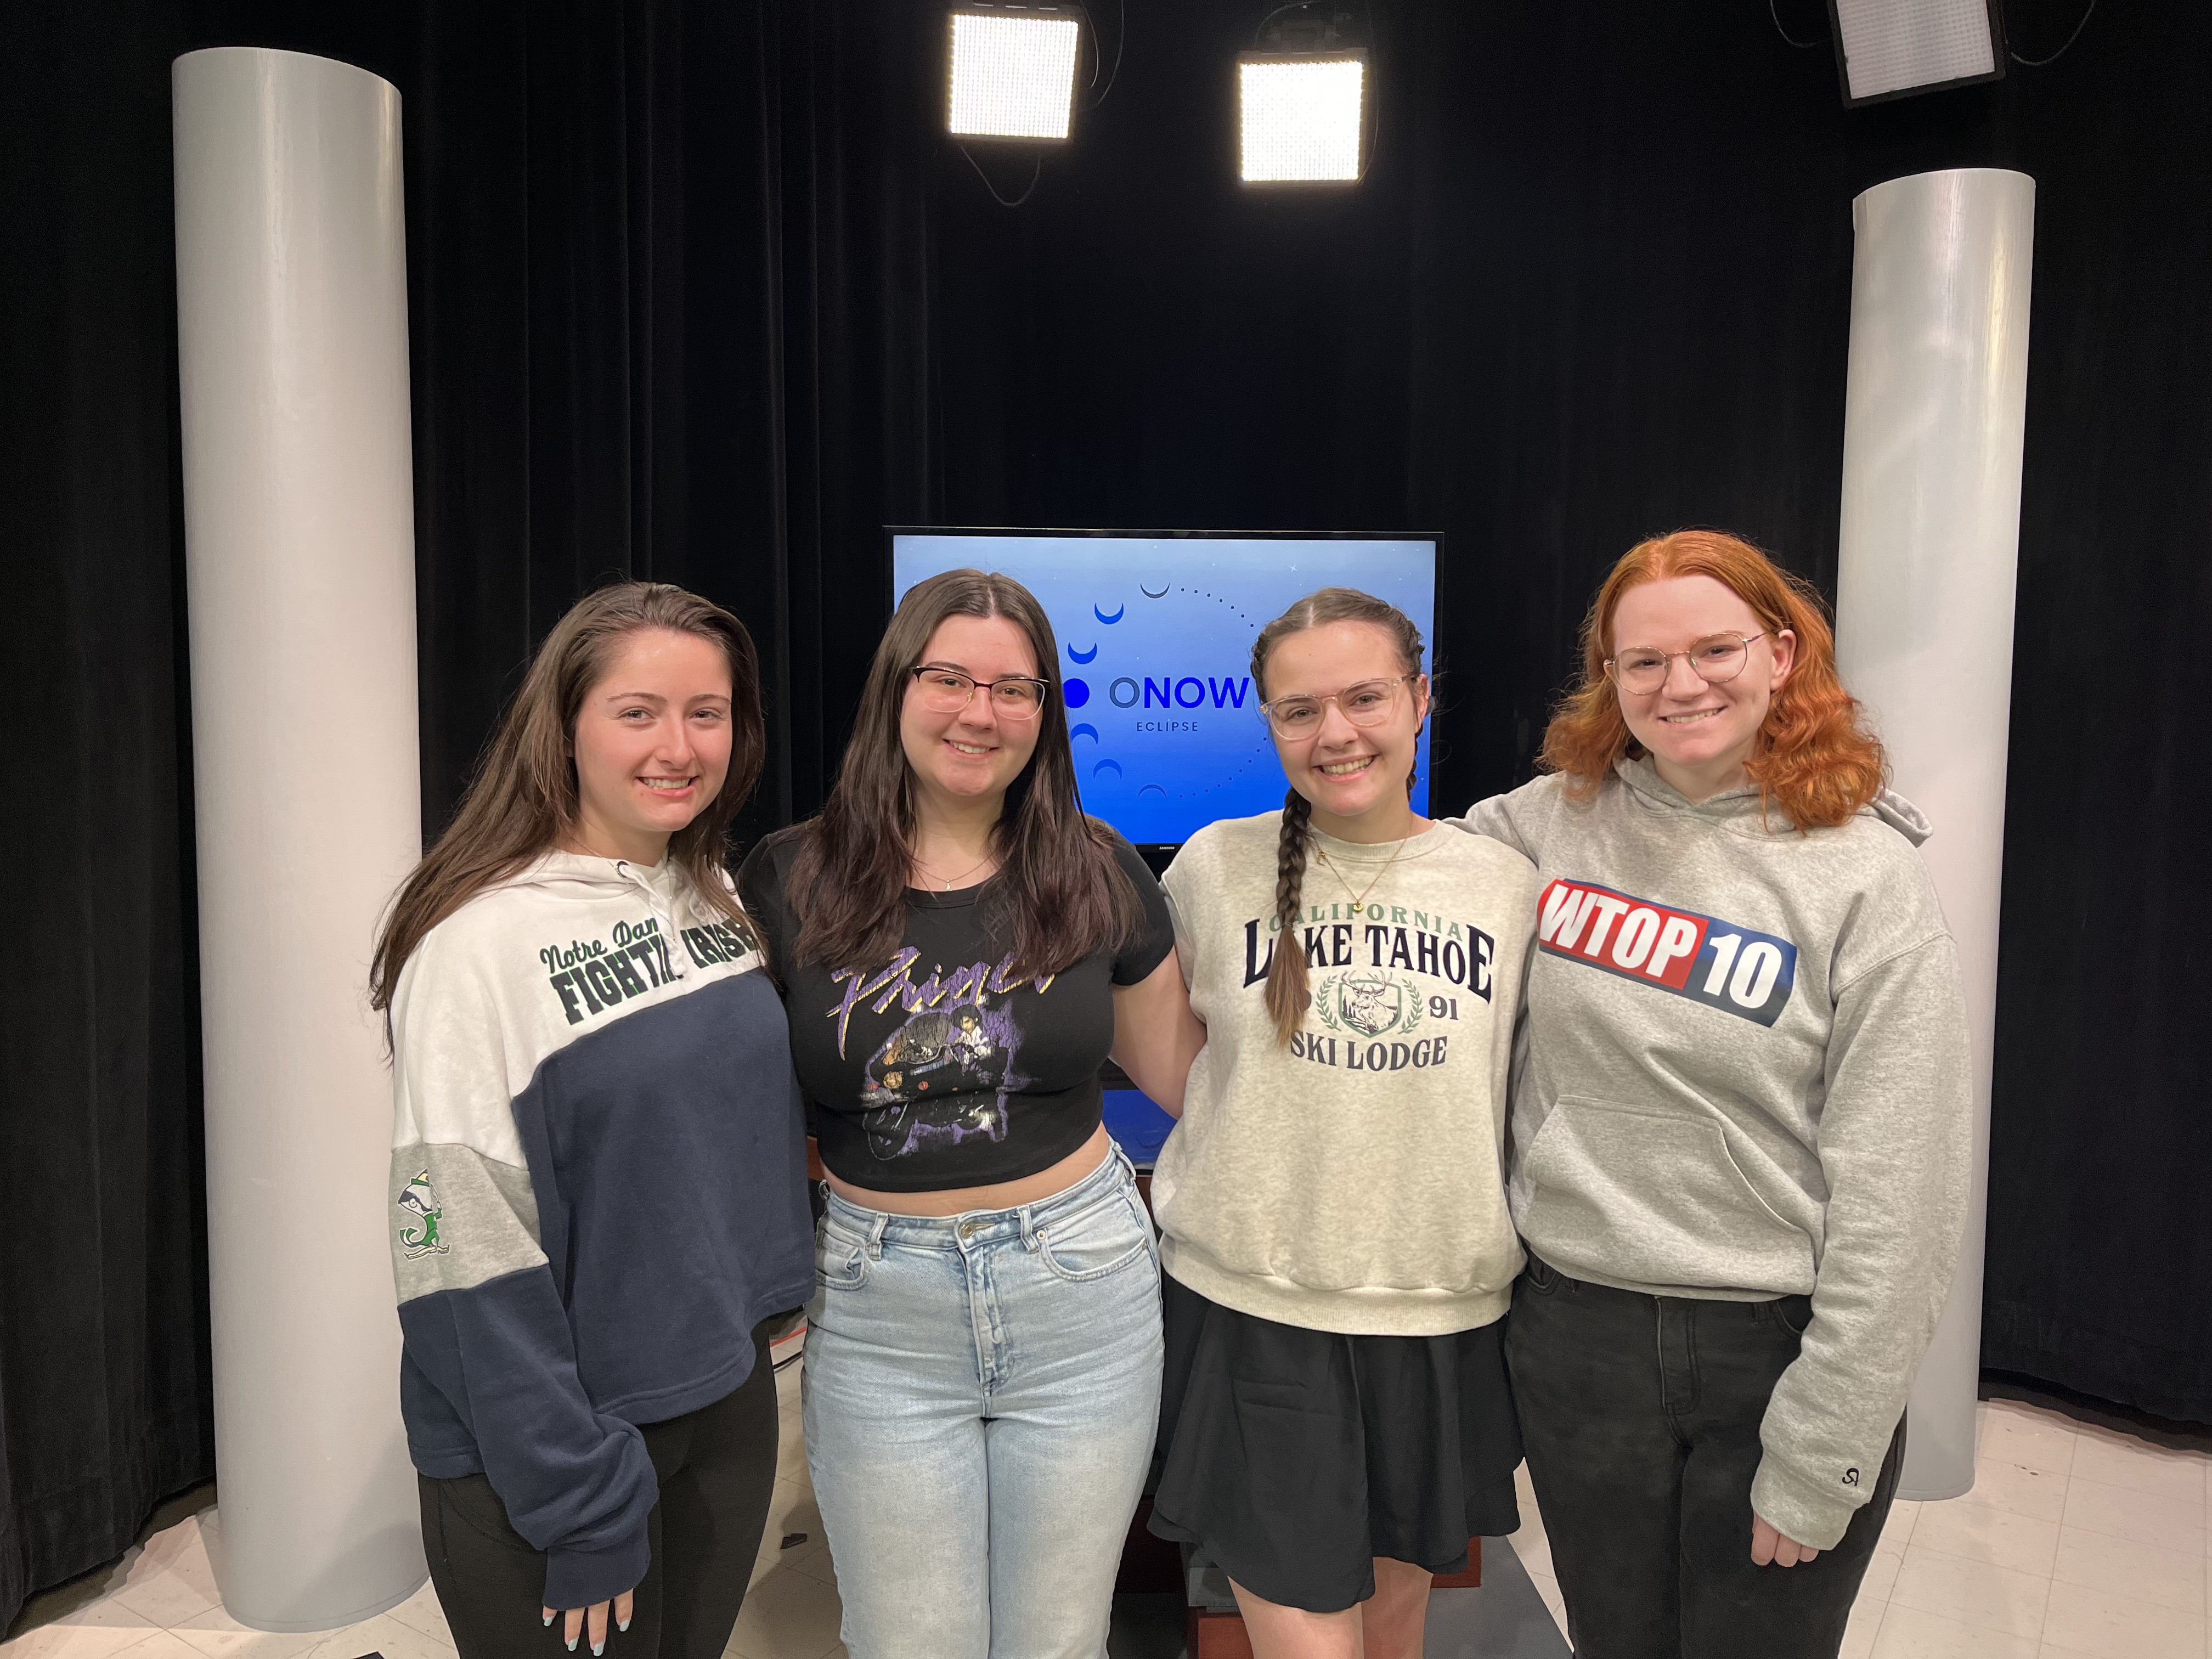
(1154, 631)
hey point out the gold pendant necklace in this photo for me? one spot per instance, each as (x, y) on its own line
(1360, 900)
(962, 876)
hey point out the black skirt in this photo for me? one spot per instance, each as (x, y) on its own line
(1294, 1457)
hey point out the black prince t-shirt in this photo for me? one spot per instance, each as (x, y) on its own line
(945, 1065)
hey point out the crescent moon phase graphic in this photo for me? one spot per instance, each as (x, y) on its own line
(1151, 789)
(1149, 594)
(1073, 655)
(1103, 765)
(1119, 611)
(1086, 730)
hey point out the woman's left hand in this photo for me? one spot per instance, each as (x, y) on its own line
(1775, 1548)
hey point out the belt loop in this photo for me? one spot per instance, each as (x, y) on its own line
(875, 1243)
(1028, 1214)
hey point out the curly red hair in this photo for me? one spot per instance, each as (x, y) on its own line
(1815, 758)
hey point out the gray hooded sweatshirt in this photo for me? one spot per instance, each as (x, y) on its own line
(1743, 1074)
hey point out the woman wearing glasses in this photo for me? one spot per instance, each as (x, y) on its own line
(960, 950)
(1336, 1422)
(1740, 1118)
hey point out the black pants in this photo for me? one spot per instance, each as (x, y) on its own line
(717, 1471)
(1641, 1416)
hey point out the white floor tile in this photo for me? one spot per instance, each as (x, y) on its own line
(1911, 1633)
(2017, 1487)
(2142, 1573)
(241, 1643)
(165, 1597)
(1533, 1547)
(1881, 1574)
(792, 1510)
(2116, 1460)
(161, 1644)
(1971, 1592)
(786, 1615)
(1549, 1588)
(421, 1611)
(74, 1642)
(2109, 1627)
(2174, 1523)
(821, 1567)
(182, 1550)
(2026, 1436)
(106, 1611)
(1897, 1530)
(1981, 1533)
(1865, 1624)
(215, 1635)
(383, 1634)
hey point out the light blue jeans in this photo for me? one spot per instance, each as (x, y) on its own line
(980, 1393)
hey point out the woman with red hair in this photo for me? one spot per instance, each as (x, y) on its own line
(1740, 1129)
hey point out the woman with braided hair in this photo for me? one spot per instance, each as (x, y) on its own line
(1336, 1422)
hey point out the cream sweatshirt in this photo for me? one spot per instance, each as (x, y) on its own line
(1351, 1181)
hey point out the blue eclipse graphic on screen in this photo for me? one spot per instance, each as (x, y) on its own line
(1155, 639)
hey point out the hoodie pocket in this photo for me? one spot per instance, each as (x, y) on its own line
(1654, 1197)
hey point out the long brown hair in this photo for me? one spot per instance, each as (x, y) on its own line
(522, 801)
(1814, 757)
(1287, 994)
(848, 882)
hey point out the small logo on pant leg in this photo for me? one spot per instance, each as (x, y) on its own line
(1850, 1477)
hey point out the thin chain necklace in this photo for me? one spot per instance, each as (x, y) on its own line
(962, 876)
(1360, 900)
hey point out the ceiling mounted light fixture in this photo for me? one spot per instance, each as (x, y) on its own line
(1012, 72)
(1305, 97)
(1301, 119)
(1889, 49)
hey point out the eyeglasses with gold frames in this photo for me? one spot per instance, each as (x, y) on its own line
(1716, 659)
(1367, 703)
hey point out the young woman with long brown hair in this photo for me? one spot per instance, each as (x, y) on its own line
(597, 1173)
(1337, 1423)
(1740, 1125)
(960, 950)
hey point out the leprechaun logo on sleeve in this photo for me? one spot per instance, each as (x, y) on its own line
(418, 1227)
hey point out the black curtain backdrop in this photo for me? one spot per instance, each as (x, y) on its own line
(699, 291)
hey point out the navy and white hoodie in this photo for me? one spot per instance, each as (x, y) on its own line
(598, 1190)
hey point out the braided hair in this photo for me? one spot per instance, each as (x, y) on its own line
(1287, 993)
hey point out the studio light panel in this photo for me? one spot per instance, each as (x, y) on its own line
(1301, 117)
(1013, 74)
(1890, 47)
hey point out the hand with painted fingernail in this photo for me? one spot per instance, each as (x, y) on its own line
(592, 1622)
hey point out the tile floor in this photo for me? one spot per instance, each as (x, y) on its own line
(2076, 1543)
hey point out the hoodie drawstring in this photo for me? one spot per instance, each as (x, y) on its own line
(662, 912)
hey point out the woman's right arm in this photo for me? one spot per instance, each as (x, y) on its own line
(1505, 818)
(490, 1373)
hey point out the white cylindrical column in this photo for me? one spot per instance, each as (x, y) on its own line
(300, 536)
(1934, 418)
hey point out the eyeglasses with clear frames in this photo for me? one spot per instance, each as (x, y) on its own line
(1367, 703)
(947, 691)
(1716, 659)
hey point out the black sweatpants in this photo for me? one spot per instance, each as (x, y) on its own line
(1640, 1416)
(717, 1471)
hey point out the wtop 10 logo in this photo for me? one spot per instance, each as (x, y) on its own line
(1166, 724)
